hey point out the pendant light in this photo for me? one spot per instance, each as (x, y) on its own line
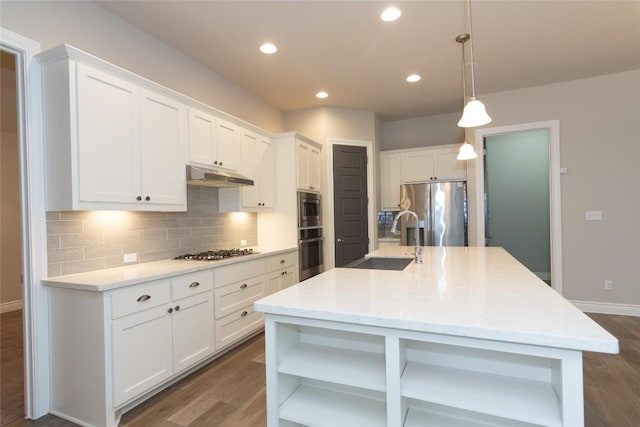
(466, 150)
(474, 113)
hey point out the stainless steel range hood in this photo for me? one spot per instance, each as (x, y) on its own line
(197, 175)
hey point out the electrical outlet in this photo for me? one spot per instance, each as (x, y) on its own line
(608, 285)
(130, 258)
(593, 215)
(243, 242)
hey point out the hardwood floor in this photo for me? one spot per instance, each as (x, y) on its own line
(11, 367)
(230, 392)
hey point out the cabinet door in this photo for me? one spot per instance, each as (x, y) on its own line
(273, 282)
(142, 356)
(226, 145)
(192, 330)
(417, 166)
(251, 155)
(314, 168)
(390, 181)
(267, 182)
(447, 166)
(108, 152)
(303, 152)
(162, 150)
(202, 128)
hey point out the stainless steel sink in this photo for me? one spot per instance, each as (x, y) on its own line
(380, 263)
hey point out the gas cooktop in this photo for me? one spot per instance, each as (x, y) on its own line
(216, 255)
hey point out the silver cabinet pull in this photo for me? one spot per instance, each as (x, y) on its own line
(170, 310)
(194, 285)
(243, 286)
(244, 313)
(144, 298)
(177, 307)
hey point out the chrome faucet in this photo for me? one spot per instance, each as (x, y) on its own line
(417, 254)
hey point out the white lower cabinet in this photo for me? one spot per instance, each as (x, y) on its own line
(333, 374)
(161, 333)
(238, 286)
(282, 271)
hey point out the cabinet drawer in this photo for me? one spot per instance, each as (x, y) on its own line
(233, 297)
(139, 298)
(237, 272)
(277, 262)
(237, 325)
(191, 284)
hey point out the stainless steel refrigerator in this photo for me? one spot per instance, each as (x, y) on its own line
(442, 211)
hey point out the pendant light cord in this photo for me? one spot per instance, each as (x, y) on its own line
(473, 78)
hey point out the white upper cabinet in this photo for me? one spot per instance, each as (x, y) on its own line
(213, 142)
(112, 140)
(416, 165)
(258, 163)
(308, 164)
(432, 164)
(390, 171)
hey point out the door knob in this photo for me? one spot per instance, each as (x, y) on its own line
(340, 240)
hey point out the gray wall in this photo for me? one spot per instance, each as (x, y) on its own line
(422, 132)
(82, 241)
(89, 27)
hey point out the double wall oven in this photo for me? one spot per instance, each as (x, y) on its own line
(310, 234)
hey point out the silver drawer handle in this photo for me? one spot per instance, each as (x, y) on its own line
(244, 313)
(194, 285)
(144, 298)
(243, 286)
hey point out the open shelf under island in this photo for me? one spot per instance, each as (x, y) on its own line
(470, 337)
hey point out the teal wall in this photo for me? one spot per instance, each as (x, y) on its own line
(517, 183)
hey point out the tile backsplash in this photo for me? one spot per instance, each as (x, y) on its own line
(80, 241)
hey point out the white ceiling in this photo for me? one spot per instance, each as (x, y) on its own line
(344, 48)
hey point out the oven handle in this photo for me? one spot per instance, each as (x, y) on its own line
(316, 239)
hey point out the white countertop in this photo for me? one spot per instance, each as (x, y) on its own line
(114, 278)
(471, 292)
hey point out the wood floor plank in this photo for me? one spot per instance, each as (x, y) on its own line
(230, 391)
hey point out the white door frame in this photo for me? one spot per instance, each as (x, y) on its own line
(33, 217)
(555, 217)
(329, 226)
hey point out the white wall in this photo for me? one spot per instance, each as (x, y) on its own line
(89, 27)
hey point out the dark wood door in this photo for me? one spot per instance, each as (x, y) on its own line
(350, 203)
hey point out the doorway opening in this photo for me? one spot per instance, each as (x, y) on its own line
(548, 132)
(516, 187)
(11, 314)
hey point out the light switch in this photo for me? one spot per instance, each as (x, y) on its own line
(593, 215)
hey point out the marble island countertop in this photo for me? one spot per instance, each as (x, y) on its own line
(114, 278)
(471, 292)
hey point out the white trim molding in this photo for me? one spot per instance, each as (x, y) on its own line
(555, 217)
(34, 235)
(608, 308)
(7, 307)
(328, 224)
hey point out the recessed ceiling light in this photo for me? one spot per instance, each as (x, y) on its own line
(390, 14)
(412, 78)
(268, 48)
(322, 95)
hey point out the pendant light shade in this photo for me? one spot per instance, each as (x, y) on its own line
(466, 152)
(474, 114)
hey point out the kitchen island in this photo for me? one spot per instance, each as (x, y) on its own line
(469, 337)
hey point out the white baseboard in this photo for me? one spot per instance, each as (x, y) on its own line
(608, 308)
(6, 307)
